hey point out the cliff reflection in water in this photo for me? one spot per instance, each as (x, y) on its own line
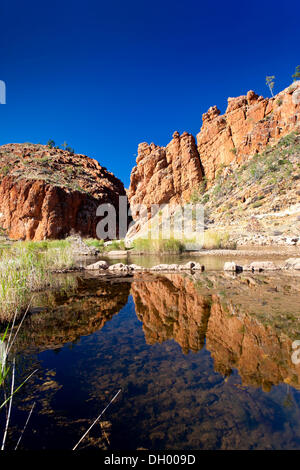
(235, 334)
(247, 323)
(67, 317)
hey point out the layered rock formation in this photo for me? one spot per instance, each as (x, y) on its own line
(49, 193)
(165, 174)
(249, 124)
(170, 174)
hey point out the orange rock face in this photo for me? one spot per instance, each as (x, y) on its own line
(177, 312)
(249, 124)
(170, 174)
(166, 174)
(48, 193)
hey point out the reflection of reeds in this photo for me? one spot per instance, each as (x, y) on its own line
(6, 344)
(96, 420)
(27, 267)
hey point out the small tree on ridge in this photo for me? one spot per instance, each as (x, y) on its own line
(296, 75)
(270, 82)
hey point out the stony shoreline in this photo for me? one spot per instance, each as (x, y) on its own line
(255, 266)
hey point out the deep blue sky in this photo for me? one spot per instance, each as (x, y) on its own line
(104, 76)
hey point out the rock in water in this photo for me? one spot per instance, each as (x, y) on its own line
(263, 266)
(230, 266)
(99, 265)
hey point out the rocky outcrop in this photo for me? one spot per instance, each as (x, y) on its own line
(49, 193)
(249, 124)
(165, 174)
(98, 266)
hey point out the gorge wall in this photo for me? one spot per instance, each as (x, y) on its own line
(170, 174)
(48, 192)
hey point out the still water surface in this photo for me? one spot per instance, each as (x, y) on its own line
(203, 361)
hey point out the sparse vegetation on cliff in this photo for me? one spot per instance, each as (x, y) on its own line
(251, 199)
(277, 166)
(46, 192)
(270, 82)
(296, 75)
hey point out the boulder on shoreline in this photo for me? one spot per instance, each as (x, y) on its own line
(190, 266)
(292, 263)
(98, 265)
(231, 266)
(255, 266)
(136, 267)
(120, 267)
(262, 266)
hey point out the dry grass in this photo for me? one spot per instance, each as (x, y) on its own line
(148, 245)
(215, 240)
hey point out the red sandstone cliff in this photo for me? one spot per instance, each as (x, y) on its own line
(47, 193)
(165, 174)
(170, 174)
(249, 124)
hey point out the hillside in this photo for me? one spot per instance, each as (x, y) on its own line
(48, 192)
(259, 201)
